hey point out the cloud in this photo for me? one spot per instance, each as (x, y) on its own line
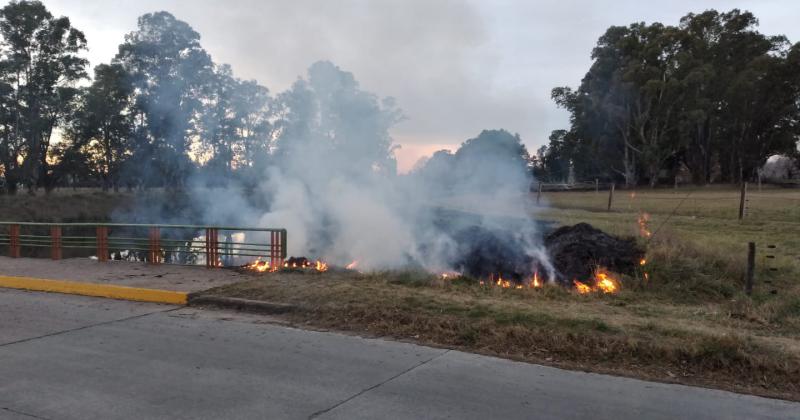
(455, 67)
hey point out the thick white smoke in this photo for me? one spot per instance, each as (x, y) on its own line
(333, 185)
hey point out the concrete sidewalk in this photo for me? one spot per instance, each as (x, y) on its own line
(135, 281)
(121, 273)
(73, 357)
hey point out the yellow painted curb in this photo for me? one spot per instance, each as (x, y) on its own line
(93, 289)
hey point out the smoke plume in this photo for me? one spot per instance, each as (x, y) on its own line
(332, 182)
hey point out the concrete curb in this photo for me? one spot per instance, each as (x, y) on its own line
(245, 305)
(96, 290)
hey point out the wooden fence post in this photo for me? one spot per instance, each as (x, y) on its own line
(596, 185)
(751, 268)
(742, 199)
(611, 196)
(539, 194)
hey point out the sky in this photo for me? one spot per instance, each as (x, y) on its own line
(455, 67)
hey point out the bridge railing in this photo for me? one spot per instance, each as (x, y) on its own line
(214, 246)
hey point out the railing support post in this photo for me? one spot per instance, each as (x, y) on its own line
(277, 248)
(55, 242)
(13, 245)
(155, 245)
(212, 247)
(102, 243)
(283, 245)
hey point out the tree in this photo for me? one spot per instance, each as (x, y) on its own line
(39, 64)
(328, 116)
(710, 93)
(170, 72)
(494, 160)
(555, 158)
(104, 124)
(236, 124)
(740, 96)
(253, 110)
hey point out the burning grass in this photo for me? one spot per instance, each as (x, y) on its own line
(681, 318)
(628, 333)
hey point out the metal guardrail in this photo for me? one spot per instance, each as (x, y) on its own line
(154, 243)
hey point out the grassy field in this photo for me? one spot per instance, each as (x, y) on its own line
(81, 205)
(689, 323)
(720, 202)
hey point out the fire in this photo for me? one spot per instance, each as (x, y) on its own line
(352, 265)
(642, 264)
(505, 284)
(582, 288)
(265, 266)
(643, 220)
(603, 282)
(261, 266)
(644, 232)
(449, 275)
(535, 282)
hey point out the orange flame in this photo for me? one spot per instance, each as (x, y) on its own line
(265, 266)
(642, 264)
(643, 220)
(505, 284)
(352, 265)
(603, 282)
(535, 282)
(261, 266)
(582, 288)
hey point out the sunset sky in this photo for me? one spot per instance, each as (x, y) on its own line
(455, 67)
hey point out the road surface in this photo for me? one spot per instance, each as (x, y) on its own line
(72, 357)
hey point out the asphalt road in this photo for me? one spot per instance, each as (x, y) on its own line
(70, 357)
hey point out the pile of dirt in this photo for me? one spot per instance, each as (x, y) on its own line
(576, 251)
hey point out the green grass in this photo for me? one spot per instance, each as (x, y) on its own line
(720, 202)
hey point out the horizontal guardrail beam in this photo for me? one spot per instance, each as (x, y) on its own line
(156, 245)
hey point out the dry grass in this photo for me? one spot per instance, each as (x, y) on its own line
(82, 205)
(690, 323)
(622, 334)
